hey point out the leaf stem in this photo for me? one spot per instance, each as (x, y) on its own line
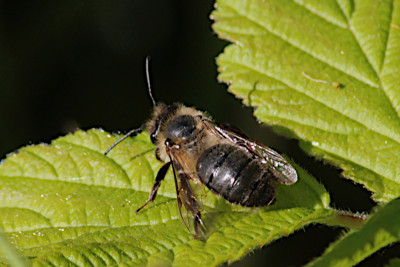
(345, 219)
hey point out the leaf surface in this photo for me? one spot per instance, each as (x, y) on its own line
(68, 204)
(325, 72)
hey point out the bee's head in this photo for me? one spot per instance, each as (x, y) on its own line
(161, 114)
(172, 122)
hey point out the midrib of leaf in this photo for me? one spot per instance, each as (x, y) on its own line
(395, 137)
(375, 8)
(379, 65)
(325, 130)
(392, 55)
(375, 68)
(357, 41)
(377, 127)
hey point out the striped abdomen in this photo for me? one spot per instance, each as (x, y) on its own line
(236, 175)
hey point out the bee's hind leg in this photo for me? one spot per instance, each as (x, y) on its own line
(198, 227)
(192, 205)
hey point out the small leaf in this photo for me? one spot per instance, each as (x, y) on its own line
(381, 230)
(68, 204)
(325, 72)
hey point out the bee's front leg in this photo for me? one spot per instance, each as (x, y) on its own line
(153, 193)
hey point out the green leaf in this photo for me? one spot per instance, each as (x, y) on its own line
(10, 253)
(394, 263)
(68, 204)
(325, 72)
(381, 230)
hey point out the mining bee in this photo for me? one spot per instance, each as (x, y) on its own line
(240, 170)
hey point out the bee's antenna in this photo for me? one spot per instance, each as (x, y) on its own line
(141, 128)
(148, 80)
(131, 132)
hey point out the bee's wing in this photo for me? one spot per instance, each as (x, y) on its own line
(283, 171)
(186, 195)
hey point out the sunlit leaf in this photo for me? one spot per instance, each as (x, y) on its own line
(69, 204)
(325, 72)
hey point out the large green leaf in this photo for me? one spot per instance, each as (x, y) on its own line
(381, 230)
(326, 72)
(68, 204)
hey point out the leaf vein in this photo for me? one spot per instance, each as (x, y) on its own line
(318, 15)
(351, 30)
(309, 53)
(44, 160)
(388, 36)
(75, 164)
(314, 99)
(109, 255)
(114, 163)
(371, 65)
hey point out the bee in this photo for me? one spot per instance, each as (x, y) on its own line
(240, 170)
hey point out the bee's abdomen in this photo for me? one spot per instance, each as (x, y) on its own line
(236, 175)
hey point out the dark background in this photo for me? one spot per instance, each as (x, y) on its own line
(80, 64)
